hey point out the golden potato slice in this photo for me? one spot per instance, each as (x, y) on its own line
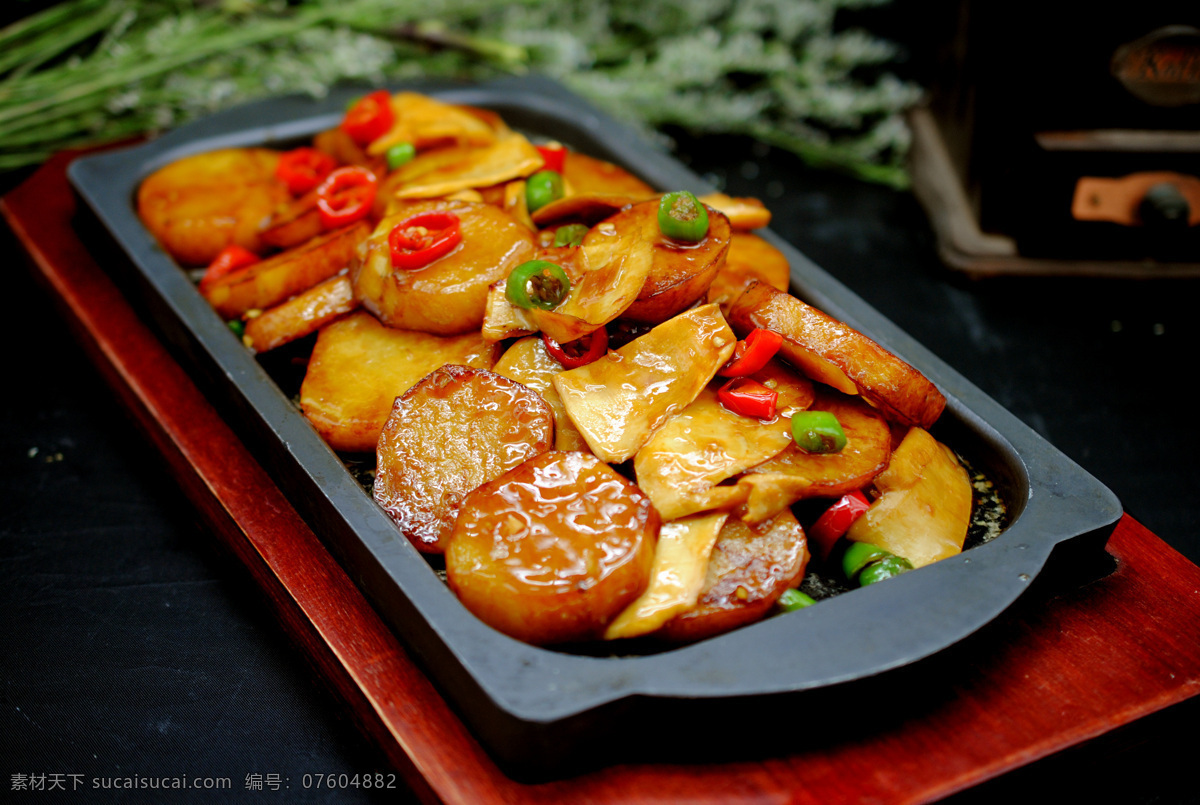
(424, 122)
(553, 550)
(301, 315)
(749, 568)
(449, 295)
(511, 156)
(457, 428)
(527, 362)
(293, 223)
(924, 507)
(359, 367)
(588, 174)
(834, 353)
(682, 464)
(339, 145)
(680, 273)
(743, 213)
(680, 563)
(198, 205)
(794, 475)
(749, 258)
(618, 401)
(269, 282)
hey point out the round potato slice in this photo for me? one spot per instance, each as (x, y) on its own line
(552, 551)
(749, 568)
(449, 295)
(680, 273)
(198, 205)
(454, 430)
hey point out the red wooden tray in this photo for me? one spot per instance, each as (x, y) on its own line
(1045, 679)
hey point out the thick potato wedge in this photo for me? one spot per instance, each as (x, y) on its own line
(359, 367)
(794, 475)
(455, 429)
(750, 567)
(924, 507)
(198, 205)
(618, 401)
(680, 564)
(749, 258)
(449, 295)
(683, 464)
(301, 315)
(527, 362)
(680, 274)
(834, 353)
(281, 276)
(587, 175)
(552, 551)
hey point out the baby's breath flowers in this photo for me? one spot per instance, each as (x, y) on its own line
(781, 71)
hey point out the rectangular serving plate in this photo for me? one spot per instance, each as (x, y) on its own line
(546, 712)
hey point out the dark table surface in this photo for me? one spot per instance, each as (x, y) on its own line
(134, 646)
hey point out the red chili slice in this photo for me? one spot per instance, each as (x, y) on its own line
(370, 118)
(748, 398)
(228, 260)
(419, 240)
(835, 522)
(346, 196)
(752, 354)
(579, 352)
(302, 169)
(553, 155)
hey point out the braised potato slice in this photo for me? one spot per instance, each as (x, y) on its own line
(582, 208)
(587, 174)
(749, 568)
(743, 213)
(750, 257)
(682, 464)
(449, 295)
(680, 273)
(925, 500)
(527, 362)
(281, 276)
(198, 205)
(359, 367)
(301, 315)
(834, 353)
(794, 475)
(619, 400)
(553, 550)
(680, 563)
(455, 429)
(293, 223)
(425, 122)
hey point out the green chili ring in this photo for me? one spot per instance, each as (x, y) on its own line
(543, 187)
(537, 283)
(682, 217)
(817, 432)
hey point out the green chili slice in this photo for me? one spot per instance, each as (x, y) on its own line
(885, 568)
(399, 154)
(570, 235)
(817, 432)
(792, 599)
(682, 217)
(859, 555)
(543, 187)
(537, 283)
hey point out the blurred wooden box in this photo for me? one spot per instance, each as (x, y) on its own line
(1042, 134)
